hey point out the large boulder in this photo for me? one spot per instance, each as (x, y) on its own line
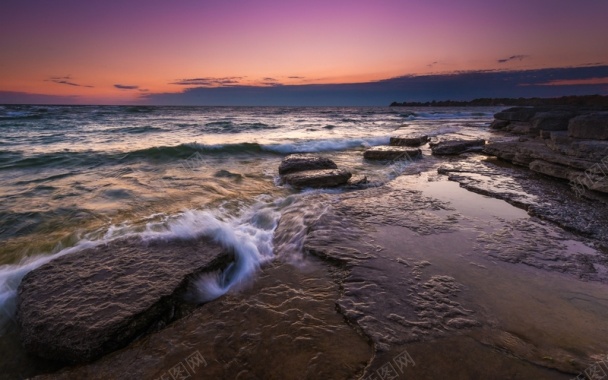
(556, 120)
(457, 146)
(516, 114)
(413, 141)
(299, 162)
(318, 178)
(391, 153)
(589, 126)
(83, 305)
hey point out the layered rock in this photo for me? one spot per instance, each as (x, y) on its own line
(391, 153)
(300, 162)
(81, 306)
(589, 126)
(318, 178)
(305, 170)
(451, 147)
(413, 141)
(570, 143)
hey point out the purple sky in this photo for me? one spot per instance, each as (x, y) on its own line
(119, 51)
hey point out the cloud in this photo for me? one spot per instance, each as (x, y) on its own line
(67, 80)
(466, 85)
(518, 57)
(575, 82)
(432, 64)
(296, 77)
(14, 97)
(126, 87)
(269, 79)
(271, 84)
(209, 81)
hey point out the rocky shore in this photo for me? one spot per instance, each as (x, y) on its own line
(561, 142)
(417, 265)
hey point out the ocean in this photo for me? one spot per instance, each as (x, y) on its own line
(72, 177)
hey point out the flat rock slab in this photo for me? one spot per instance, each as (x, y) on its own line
(457, 146)
(318, 178)
(81, 306)
(300, 162)
(409, 140)
(391, 153)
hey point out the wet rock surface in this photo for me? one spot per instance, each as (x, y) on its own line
(402, 292)
(406, 140)
(300, 162)
(283, 326)
(318, 178)
(305, 170)
(539, 196)
(83, 305)
(452, 147)
(391, 153)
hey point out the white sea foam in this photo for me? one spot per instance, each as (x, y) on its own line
(249, 236)
(327, 145)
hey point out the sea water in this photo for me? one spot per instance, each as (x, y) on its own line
(72, 177)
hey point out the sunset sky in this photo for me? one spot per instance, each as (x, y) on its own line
(119, 52)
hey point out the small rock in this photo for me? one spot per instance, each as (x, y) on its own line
(391, 153)
(357, 180)
(591, 126)
(318, 178)
(457, 146)
(226, 174)
(409, 140)
(300, 162)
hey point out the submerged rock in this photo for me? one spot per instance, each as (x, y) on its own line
(409, 140)
(300, 162)
(457, 146)
(318, 178)
(84, 305)
(391, 153)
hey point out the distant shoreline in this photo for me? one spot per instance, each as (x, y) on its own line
(587, 101)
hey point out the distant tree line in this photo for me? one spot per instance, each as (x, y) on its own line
(586, 100)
